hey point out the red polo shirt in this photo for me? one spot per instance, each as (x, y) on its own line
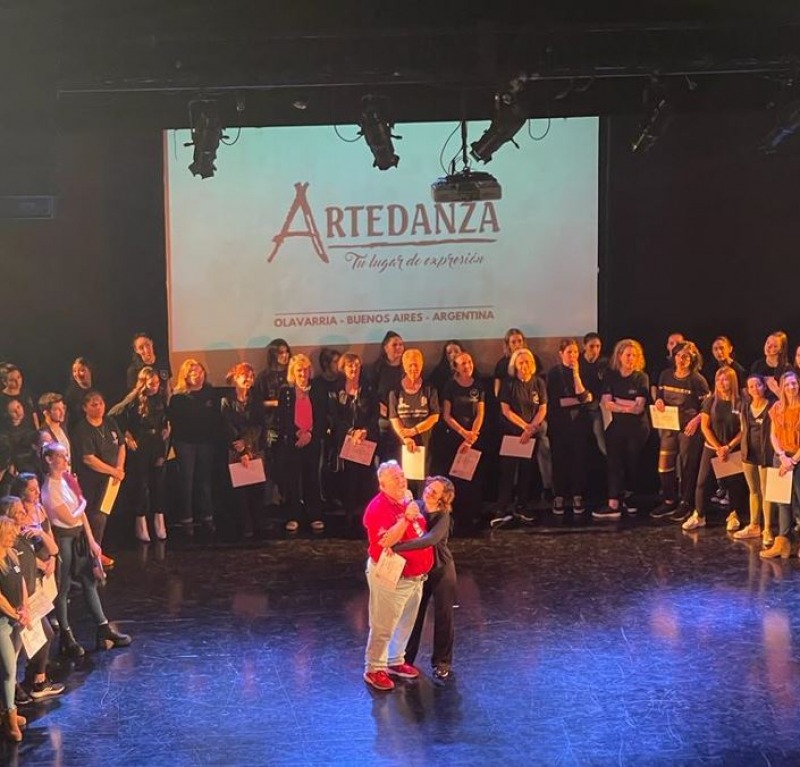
(381, 514)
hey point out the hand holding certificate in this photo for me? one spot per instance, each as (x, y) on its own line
(389, 569)
(465, 463)
(667, 420)
(512, 447)
(358, 452)
(413, 463)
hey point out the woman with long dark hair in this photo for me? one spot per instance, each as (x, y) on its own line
(684, 388)
(81, 380)
(143, 417)
(385, 376)
(144, 355)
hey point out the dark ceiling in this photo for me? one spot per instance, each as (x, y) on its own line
(118, 65)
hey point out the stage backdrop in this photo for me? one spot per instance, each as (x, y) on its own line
(297, 236)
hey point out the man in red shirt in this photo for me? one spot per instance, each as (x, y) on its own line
(389, 518)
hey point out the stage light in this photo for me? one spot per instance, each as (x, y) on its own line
(786, 127)
(206, 135)
(377, 131)
(508, 118)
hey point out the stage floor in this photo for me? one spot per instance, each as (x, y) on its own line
(593, 645)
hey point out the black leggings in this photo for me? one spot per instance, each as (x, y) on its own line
(677, 451)
(707, 482)
(441, 585)
(569, 441)
(624, 442)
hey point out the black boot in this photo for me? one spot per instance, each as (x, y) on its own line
(69, 646)
(108, 638)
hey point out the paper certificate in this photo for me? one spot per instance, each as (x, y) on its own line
(779, 488)
(49, 587)
(110, 495)
(361, 453)
(39, 605)
(727, 468)
(513, 448)
(465, 463)
(251, 474)
(668, 420)
(414, 463)
(33, 638)
(389, 569)
(569, 402)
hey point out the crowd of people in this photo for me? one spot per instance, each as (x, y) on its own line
(297, 443)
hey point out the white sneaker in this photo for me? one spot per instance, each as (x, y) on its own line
(732, 523)
(694, 522)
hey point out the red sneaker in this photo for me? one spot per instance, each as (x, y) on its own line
(107, 562)
(404, 671)
(379, 680)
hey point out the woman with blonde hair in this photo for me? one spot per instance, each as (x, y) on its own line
(775, 361)
(302, 412)
(142, 415)
(437, 507)
(193, 413)
(721, 426)
(625, 393)
(13, 614)
(243, 426)
(785, 420)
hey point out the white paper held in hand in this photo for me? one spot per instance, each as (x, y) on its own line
(779, 488)
(414, 463)
(465, 463)
(389, 568)
(513, 448)
(668, 420)
(361, 453)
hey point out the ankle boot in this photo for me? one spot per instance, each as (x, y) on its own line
(160, 527)
(108, 638)
(141, 530)
(780, 548)
(69, 645)
(11, 726)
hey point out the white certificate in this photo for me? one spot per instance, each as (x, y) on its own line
(727, 468)
(668, 420)
(251, 474)
(389, 569)
(414, 463)
(779, 488)
(50, 587)
(513, 448)
(465, 463)
(33, 638)
(110, 495)
(39, 605)
(361, 453)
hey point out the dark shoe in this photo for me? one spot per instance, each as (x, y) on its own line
(681, 513)
(46, 689)
(524, 515)
(558, 505)
(499, 519)
(21, 696)
(578, 506)
(108, 638)
(69, 645)
(441, 671)
(664, 510)
(607, 513)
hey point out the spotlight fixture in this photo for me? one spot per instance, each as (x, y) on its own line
(377, 131)
(787, 125)
(508, 118)
(206, 135)
(655, 124)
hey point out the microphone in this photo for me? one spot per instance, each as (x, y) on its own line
(408, 497)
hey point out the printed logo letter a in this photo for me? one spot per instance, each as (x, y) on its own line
(300, 203)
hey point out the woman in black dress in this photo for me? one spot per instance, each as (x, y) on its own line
(385, 376)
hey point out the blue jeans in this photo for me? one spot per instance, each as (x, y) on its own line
(8, 660)
(196, 462)
(74, 563)
(392, 613)
(789, 511)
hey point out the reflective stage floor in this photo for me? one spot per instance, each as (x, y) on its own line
(575, 645)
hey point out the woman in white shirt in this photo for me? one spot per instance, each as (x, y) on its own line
(78, 551)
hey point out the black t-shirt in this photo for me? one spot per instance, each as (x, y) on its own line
(725, 422)
(103, 442)
(501, 368)
(592, 374)
(162, 368)
(26, 553)
(385, 379)
(464, 401)
(11, 582)
(194, 416)
(524, 398)
(24, 442)
(769, 371)
(741, 374)
(630, 387)
(687, 394)
(413, 408)
(73, 398)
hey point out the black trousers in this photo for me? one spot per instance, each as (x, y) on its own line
(736, 485)
(523, 468)
(300, 481)
(441, 585)
(569, 442)
(625, 439)
(679, 451)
